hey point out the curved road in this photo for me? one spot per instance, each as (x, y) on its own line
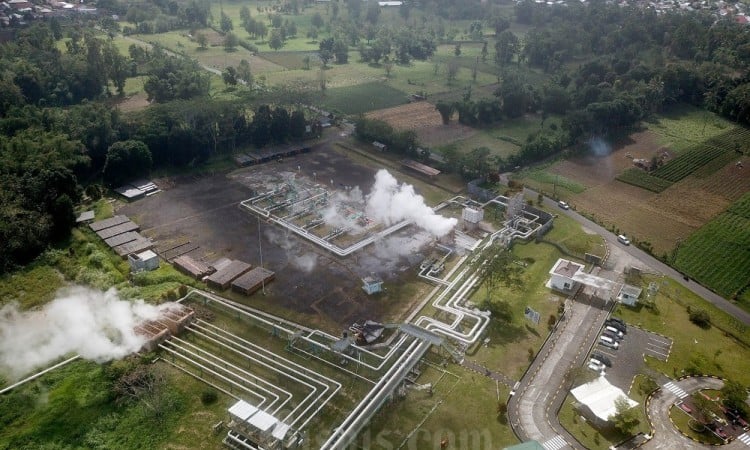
(711, 297)
(532, 410)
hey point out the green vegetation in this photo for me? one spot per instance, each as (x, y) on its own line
(551, 182)
(683, 126)
(715, 255)
(358, 99)
(687, 162)
(717, 350)
(643, 179)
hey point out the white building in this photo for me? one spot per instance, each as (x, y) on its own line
(147, 260)
(561, 276)
(628, 294)
(596, 399)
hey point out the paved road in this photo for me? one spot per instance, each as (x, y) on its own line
(532, 411)
(666, 436)
(711, 297)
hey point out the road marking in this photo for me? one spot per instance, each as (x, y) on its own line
(745, 439)
(676, 390)
(556, 443)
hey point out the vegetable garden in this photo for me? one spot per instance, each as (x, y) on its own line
(704, 159)
(718, 254)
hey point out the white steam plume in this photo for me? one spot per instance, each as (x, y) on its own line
(390, 202)
(97, 325)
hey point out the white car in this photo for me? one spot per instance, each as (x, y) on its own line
(596, 365)
(623, 239)
(563, 205)
(614, 331)
(608, 342)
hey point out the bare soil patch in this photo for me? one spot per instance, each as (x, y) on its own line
(411, 116)
(134, 102)
(731, 182)
(593, 170)
(423, 118)
(319, 288)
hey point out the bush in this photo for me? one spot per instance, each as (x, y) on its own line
(209, 397)
(700, 317)
(182, 290)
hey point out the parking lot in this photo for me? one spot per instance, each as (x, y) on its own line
(627, 360)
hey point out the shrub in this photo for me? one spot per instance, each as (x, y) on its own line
(700, 317)
(182, 290)
(209, 397)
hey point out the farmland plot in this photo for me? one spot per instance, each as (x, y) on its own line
(718, 254)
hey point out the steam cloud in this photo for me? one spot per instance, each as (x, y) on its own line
(599, 147)
(96, 325)
(390, 203)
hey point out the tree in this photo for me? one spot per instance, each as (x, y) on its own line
(280, 125)
(125, 161)
(316, 20)
(306, 62)
(446, 110)
(700, 317)
(451, 70)
(297, 124)
(326, 50)
(506, 47)
(735, 396)
(201, 40)
(245, 15)
(229, 75)
(275, 41)
(244, 73)
(625, 418)
(226, 23)
(231, 41)
(340, 51)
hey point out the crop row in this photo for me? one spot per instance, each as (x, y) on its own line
(642, 179)
(717, 254)
(685, 164)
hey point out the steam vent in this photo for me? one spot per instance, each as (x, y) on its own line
(172, 322)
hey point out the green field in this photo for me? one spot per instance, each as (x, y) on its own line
(688, 162)
(682, 127)
(643, 179)
(717, 254)
(361, 98)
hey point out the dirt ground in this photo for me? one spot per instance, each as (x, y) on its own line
(205, 211)
(423, 118)
(664, 219)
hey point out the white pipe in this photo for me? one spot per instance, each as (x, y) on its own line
(37, 375)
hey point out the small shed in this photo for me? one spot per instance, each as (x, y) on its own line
(379, 145)
(253, 280)
(223, 277)
(372, 285)
(628, 294)
(192, 267)
(147, 260)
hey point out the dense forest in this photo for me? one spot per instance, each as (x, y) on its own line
(607, 67)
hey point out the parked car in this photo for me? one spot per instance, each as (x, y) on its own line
(608, 342)
(563, 205)
(616, 319)
(596, 366)
(623, 239)
(614, 331)
(602, 359)
(620, 327)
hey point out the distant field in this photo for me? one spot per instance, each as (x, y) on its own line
(291, 60)
(362, 98)
(682, 127)
(717, 254)
(702, 160)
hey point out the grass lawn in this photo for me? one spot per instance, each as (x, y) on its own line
(593, 437)
(721, 352)
(361, 98)
(682, 127)
(506, 137)
(539, 179)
